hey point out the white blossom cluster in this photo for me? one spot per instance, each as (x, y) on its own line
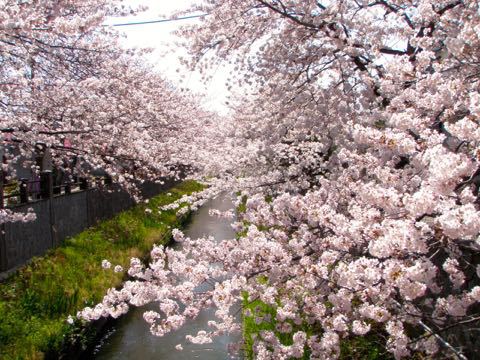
(68, 86)
(355, 148)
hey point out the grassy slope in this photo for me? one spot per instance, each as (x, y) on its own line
(369, 347)
(36, 301)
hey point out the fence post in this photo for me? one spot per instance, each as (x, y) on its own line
(23, 191)
(46, 189)
(46, 184)
(83, 183)
(107, 180)
(2, 199)
(3, 245)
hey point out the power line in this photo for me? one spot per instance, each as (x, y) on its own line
(143, 22)
(159, 21)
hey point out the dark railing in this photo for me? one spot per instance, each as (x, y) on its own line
(27, 190)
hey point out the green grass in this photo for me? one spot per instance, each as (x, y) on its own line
(35, 302)
(252, 328)
(368, 347)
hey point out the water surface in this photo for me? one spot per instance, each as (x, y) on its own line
(130, 337)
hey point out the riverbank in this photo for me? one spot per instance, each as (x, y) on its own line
(35, 302)
(258, 317)
(368, 347)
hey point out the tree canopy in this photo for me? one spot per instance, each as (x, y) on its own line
(354, 144)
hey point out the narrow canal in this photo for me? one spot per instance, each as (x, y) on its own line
(130, 337)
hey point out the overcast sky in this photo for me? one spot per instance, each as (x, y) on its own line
(165, 57)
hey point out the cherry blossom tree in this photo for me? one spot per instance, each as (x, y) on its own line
(67, 83)
(362, 126)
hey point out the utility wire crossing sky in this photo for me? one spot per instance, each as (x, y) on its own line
(160, 36)
(159, 20)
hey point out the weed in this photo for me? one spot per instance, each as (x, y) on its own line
(35, 303)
